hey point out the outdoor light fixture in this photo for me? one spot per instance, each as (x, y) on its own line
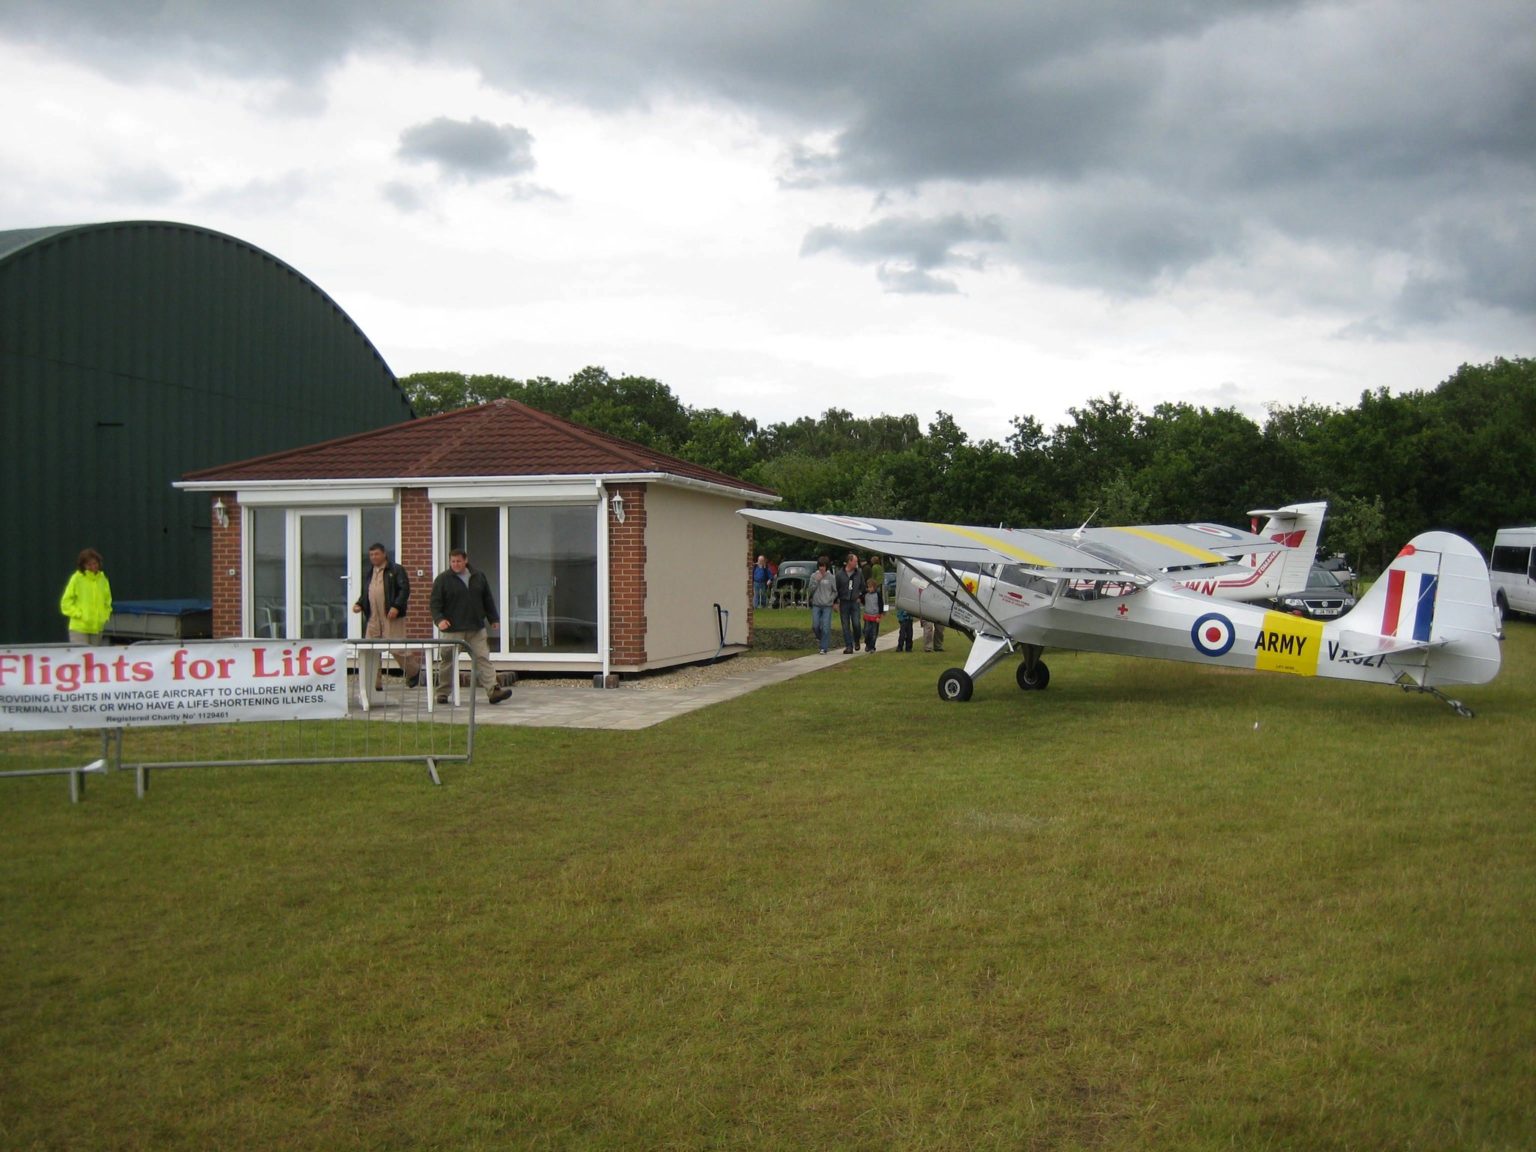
(220, 515)
(618, 509)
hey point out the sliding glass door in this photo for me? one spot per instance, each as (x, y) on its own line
(541, 562)
(306, 567)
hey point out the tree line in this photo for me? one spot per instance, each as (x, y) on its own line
(1460, 456)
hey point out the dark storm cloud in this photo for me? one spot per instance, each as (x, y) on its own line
(907, 251)
(471, 150)
(1122, 143)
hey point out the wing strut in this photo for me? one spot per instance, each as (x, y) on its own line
(980, 610)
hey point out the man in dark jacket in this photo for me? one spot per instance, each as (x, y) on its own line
(850, 590)
(462, 606)
(386, 595)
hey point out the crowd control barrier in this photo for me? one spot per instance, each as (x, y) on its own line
(148, 708)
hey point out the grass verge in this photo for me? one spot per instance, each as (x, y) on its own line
(1156, 906)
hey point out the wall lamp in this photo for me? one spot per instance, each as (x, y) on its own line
(220, 513)
(618, 508)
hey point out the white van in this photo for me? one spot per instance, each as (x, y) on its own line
(1514, 570)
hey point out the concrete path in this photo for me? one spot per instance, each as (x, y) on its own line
(583, 706)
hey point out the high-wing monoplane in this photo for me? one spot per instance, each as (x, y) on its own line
(1426, 625)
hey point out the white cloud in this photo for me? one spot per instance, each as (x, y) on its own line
(989, 210)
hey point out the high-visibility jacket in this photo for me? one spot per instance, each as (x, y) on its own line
(87, 601)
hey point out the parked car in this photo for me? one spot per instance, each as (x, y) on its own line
(1324, 597)
(1338, 564)
(790, 587)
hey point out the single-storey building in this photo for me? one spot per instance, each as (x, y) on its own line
(604, 556)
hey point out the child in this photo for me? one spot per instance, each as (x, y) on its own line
(903, 630)
(874, 608)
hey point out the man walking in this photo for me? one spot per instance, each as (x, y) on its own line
(850, 591)
(462, 607)
(383, 605)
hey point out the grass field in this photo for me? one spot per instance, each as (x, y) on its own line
(1154, 907)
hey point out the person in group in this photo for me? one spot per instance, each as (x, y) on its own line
(874, 611)
(877, 573)
(933, 636)
(821, 590)
(850, 591)
(383, 605)
(462, 607)
(903, 630)
(87, 599)
(760, 577)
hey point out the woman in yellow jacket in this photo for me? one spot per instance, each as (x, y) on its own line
(87, 599)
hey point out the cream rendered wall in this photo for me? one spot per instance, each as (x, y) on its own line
(695, 557)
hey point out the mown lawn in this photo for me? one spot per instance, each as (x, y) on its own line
(1154, 907)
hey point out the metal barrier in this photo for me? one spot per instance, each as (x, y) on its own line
(387, 720)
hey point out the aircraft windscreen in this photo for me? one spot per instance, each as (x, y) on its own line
(1021, 577)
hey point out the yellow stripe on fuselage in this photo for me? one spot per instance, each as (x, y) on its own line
(1178, 545)
(995, 544)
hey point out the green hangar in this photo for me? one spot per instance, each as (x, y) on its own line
(131, 353)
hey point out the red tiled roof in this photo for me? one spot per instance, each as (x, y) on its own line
(502, 438)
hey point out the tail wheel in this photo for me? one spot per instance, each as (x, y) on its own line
(955, 685)
(1033, 679)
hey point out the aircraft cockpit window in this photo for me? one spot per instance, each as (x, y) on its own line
(1101, 589)
(1021, 577)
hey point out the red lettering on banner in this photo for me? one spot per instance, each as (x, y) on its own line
(292, 664)
(34, 670)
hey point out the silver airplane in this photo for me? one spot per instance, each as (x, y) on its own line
(1426, 625)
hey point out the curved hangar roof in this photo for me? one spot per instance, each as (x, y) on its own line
(132, 352)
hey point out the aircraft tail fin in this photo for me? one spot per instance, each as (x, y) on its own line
(1297, 526)
(1436, 597)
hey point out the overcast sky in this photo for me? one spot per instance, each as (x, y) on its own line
(990, 209)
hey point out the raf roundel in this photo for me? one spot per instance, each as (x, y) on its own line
(1212, 634)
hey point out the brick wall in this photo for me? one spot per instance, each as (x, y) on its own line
(416, 554)
(751, 564)
(626, 578)
(226, 559)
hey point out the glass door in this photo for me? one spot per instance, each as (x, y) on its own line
(324, 574)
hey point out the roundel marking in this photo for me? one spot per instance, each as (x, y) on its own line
(1213, 634)
(1214, 530)
(851, 522)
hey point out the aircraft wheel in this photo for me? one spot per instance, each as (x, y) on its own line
(1033, 679)
(955, 685)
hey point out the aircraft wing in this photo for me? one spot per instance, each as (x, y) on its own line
(1042, 552)
(1171, 548)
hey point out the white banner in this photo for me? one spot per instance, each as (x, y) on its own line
(235, 681)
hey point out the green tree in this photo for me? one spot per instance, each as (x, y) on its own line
(1202, 464)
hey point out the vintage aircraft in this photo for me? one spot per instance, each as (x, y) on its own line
(1426, 625)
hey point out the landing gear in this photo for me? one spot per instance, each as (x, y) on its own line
(1033, 677)
(1456, 706)
(955, 685)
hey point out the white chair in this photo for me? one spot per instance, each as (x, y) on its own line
(531, 608)
(273, 624)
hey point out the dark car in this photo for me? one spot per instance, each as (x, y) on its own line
(790, 587)
(1338, 564)
(1324, 597)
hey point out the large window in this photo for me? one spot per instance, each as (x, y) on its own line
(306, 565)
(541, 561)
(1511, 559)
